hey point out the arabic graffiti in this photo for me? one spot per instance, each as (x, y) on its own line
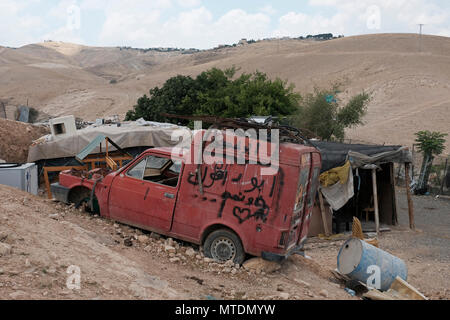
(248, 204)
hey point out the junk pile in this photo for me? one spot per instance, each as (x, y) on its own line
(371, 272)
(66, 141)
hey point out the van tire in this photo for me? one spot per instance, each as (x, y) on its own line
(223, 245)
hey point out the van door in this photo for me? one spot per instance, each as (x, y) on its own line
(145, 194)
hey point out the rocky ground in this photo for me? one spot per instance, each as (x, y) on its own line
(40, 241)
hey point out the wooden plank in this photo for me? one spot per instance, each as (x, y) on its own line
(406, 290)
(375, 200)
(57, 169)
(324, 217)
(412, 224)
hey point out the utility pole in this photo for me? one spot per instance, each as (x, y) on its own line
(420, 37)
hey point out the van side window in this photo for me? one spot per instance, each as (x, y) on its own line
(159, 170)
(137, 171)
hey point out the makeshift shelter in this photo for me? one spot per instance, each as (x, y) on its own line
(358, 180)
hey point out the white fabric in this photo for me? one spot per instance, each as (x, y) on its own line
(338, 194)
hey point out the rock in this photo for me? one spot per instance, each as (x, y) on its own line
(143, 239)
(190, 252)
(174, 260)
(284, 295)
(3, 236)
(233, 271)
(128, 242)
(170, 249)
(198, 257)
(324, 293)
(54, 216)
(229, 263)
(170, 242)
(148, 249)
(303, 283)
(17, 295)
(259, 265)
(155, 236)
(208, 260)
(5, 249)
(226, 270)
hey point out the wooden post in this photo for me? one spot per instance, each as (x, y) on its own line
(375, 200)
(324, 217)
(47, 184)
(441, 189)
(408, 195)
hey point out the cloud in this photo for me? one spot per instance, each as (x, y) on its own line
(189, 3)
(268, 9)
(190, 28)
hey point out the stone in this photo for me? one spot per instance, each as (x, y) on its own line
(226, 270)
(128, 242)
(208, 260)
(229, 263)
(155, 236)
(54, 216)
(190, 252)
(284, 295)
(233, 271)
(174, 260)
(3, 236)
(5, 249)
(143, 239)
(170, 242)
(324, 293)
(303, 283)
(17, 295)
(170, 249)
(259, 265)
(198, 257)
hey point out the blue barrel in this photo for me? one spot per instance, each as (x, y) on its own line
(359, 260)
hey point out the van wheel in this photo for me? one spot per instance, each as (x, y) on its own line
(223, 245)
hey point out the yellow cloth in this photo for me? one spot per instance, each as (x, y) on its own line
(335, 175)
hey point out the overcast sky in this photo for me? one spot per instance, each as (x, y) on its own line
(207, 23)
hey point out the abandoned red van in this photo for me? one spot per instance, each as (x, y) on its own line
(228, 209)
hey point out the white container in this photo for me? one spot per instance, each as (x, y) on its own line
(24, 177)
(63, 127)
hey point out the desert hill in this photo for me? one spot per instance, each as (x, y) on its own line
(410, 88)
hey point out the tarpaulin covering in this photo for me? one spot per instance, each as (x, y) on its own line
(126, 136)
(335, 175)
(338, 194)
(336, 154)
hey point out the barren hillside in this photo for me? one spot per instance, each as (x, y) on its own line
(410, 89)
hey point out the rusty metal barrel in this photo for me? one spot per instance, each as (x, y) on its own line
(372, 266)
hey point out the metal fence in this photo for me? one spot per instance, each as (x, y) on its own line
(439, 180)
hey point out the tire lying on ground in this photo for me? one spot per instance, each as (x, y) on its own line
(223, 245)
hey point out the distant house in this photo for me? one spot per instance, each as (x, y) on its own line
(243, 42)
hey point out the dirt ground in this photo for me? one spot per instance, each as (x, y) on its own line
(16, 138)
(41, 239)
(426, 251)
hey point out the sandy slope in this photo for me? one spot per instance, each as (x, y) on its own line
(410, 89)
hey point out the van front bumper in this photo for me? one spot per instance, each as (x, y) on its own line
(270, 256)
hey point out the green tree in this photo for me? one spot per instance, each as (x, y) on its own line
(321, 113)
(218, 92)
(430, 144)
